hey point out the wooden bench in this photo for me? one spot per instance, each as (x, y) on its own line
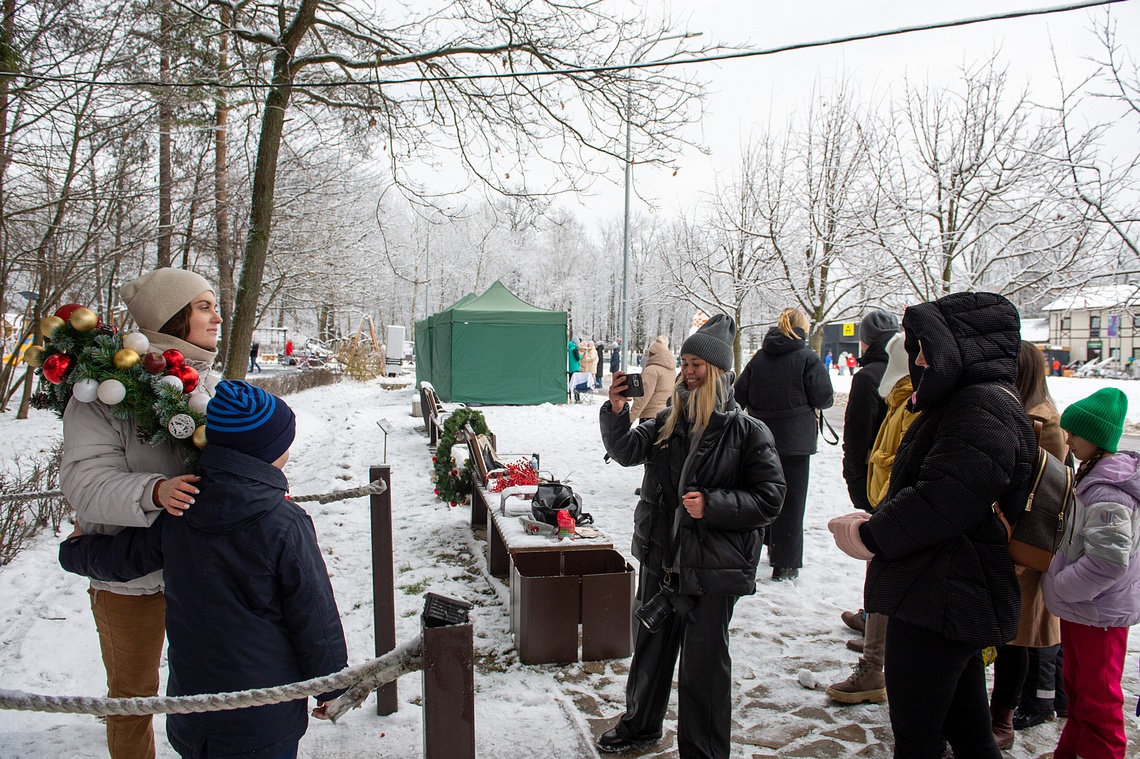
(434, 412)
(555, 584)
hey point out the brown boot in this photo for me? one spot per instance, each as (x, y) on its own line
(866, 683)
(1002, 722)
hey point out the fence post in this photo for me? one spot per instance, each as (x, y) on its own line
(383, 582)
(448, 679)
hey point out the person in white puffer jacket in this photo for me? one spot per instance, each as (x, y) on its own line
(114, 480)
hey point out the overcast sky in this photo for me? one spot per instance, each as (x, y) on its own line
(750, 95)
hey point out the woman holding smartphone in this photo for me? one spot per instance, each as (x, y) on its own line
(712, 482)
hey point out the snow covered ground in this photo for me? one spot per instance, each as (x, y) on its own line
(48, 643)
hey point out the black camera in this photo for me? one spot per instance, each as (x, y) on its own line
(653, 613)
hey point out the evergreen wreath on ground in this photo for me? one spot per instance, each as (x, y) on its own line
(453, 485)
(83, 358)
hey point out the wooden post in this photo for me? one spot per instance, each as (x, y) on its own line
(448, 680)
(383, 582)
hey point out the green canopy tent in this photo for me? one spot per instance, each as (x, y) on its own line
(495, 349)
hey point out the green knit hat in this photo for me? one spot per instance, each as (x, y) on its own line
(1099, 418)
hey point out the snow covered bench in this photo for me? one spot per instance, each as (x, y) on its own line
(555, 585)
(434, 412)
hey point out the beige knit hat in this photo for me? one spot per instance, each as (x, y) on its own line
(158, 295)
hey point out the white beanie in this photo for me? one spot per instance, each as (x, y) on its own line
(898, 365)
(158, 295)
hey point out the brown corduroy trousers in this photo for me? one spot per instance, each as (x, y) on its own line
(131, 633)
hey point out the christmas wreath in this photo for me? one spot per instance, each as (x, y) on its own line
(91, 361)
(452, 484)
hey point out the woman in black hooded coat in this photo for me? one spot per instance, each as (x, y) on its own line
(940, 568)
(785, 385)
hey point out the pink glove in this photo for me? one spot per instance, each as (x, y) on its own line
(845, 529)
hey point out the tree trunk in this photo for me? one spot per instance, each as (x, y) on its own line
(260, 221)
(165, 124)
(224, 256)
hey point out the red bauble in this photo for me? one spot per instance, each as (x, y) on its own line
(64, 312)
(174, 358)
(56, 366)
(188, 375)
(153, 363)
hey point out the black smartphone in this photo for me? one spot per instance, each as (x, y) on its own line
(633, 386)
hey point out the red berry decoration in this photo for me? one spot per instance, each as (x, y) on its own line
(65, 311)
(56, 366)
(436, 491)
(153, 363)
(188, 375)
(174, 358)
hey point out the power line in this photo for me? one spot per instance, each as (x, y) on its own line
(591, 69)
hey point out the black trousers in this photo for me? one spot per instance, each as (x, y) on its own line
(1010, 668)
(704, 690)
(785, 537)
(937, 688)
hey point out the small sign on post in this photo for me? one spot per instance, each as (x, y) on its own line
(385, 427)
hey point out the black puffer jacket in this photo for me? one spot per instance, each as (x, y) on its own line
(249, 603)
(862, 419)
(941, 560)
(737, 469)
(783, 386)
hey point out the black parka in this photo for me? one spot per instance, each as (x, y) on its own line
(861, 421)
(783, 386)
(737, 469)
(248, 601)
(941, 560)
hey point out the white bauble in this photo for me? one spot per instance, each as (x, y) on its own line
(173, 381)
(198, 403)
(181, 426)
(85, 390)
(111, 391)
(136, 341)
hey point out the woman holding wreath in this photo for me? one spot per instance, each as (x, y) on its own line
(114, 480)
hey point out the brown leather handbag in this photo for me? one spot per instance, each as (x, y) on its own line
(1037, 534)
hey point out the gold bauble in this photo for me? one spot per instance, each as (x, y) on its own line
(48, 325)
(34, 355)
(199, 436)
(84, 319)
(125, 358)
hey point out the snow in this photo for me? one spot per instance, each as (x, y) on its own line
(787, 640)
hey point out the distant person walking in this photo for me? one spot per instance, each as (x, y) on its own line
(253, 351)
(785, 385)
(615, 356)
(828, 360)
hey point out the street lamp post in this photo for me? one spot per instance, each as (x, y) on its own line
(628, 187)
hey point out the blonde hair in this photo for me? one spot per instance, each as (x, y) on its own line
(700, 406)
(790, 320)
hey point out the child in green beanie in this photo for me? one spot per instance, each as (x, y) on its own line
(1093, 584)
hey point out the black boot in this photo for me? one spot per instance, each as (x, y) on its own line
(612, 741)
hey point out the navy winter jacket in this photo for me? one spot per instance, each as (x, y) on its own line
(248, 601)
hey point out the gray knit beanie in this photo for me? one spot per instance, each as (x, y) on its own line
(158, 295)
(878, 327)
(713, 342)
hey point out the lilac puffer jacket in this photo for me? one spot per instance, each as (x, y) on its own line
(1095, 577)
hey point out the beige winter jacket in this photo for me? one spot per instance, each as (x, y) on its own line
(659, 378)
(590, 359)
(108, 475)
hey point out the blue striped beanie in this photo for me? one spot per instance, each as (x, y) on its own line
(245, 418)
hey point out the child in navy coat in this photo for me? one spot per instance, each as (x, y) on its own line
(249, 602)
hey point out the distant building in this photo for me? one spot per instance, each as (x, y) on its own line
(1099, 322)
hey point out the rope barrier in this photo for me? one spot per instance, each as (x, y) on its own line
(360, 680)
(373, 488)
